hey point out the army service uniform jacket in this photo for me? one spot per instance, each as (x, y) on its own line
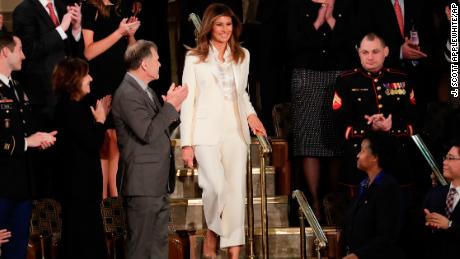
(15, 174)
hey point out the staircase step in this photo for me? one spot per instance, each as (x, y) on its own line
(282, 242)
(187, 183)
(187, 214)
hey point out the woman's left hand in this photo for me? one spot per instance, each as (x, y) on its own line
(256, 125)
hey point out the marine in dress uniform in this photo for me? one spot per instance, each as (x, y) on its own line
(359, 93)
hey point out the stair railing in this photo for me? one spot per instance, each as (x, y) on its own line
(264, 150)
(305, 212)
(436, 173)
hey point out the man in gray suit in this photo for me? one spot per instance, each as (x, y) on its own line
(142, 126)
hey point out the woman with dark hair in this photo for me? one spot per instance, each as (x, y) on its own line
(81, 133)
(214, 125)
(106, 34)
(373, 220)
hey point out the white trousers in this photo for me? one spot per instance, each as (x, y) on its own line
(222, 176)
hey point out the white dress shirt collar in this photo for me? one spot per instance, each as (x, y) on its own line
(140, 82)
(5, 79)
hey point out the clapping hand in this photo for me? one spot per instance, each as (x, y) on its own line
(75, 13)
(128, 26)
(66, 21)
(41, 140)
(134, 25)
(176, 95)
(436, 220)
(103, 107)
(378, 122)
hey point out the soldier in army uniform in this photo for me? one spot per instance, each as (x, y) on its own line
(16, 145)
(373, 98)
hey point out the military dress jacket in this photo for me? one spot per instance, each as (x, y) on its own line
(15, 174)
(359, 93)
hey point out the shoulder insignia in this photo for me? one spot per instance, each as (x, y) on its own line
(395, 71)
(349, 72)
(336, 102)
(412, 97)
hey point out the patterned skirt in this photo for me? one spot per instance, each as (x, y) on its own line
(312, 123)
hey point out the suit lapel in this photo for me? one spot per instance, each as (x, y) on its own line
(143, 93)
(235, 75)
(393, 18)
(43, 13)
(408, 16)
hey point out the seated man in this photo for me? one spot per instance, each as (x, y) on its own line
(373, 98)
(442, 214)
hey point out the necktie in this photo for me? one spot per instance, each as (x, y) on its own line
(450, 202)
(399, 17)
(52, 14)
(150, 93)
(11, 85)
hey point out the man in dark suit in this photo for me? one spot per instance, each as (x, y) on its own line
(393, 20)
(17, 141)
(442, 215)
(142, 126)
(50, 31)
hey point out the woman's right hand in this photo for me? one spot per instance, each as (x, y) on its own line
(128, 26)
(187, 156)
(103, 107)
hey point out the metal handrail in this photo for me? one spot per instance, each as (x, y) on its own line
(265, 149)
(429, 158)
(306, 211)
(250, 202)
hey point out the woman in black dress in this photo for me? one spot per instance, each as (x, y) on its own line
(320, 42)
(106, 34)
(81, 133)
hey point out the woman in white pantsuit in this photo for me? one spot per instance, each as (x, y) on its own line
(214, 126)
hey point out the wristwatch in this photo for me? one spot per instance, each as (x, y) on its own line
(450, 224)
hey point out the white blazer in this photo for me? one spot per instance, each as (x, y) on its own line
(202, 110)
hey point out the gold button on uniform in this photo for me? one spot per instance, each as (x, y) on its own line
(379, 96)
(379, 88)
(359, 99)
(380, 106)
(376, 80)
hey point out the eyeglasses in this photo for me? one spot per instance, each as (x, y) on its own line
(448, 157)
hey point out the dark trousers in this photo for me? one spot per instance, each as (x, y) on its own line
(147, 219)
(82, 229)
(15, 216)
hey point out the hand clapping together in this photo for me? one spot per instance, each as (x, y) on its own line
(103, 107)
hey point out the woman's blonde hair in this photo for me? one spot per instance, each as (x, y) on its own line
(210, 15)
